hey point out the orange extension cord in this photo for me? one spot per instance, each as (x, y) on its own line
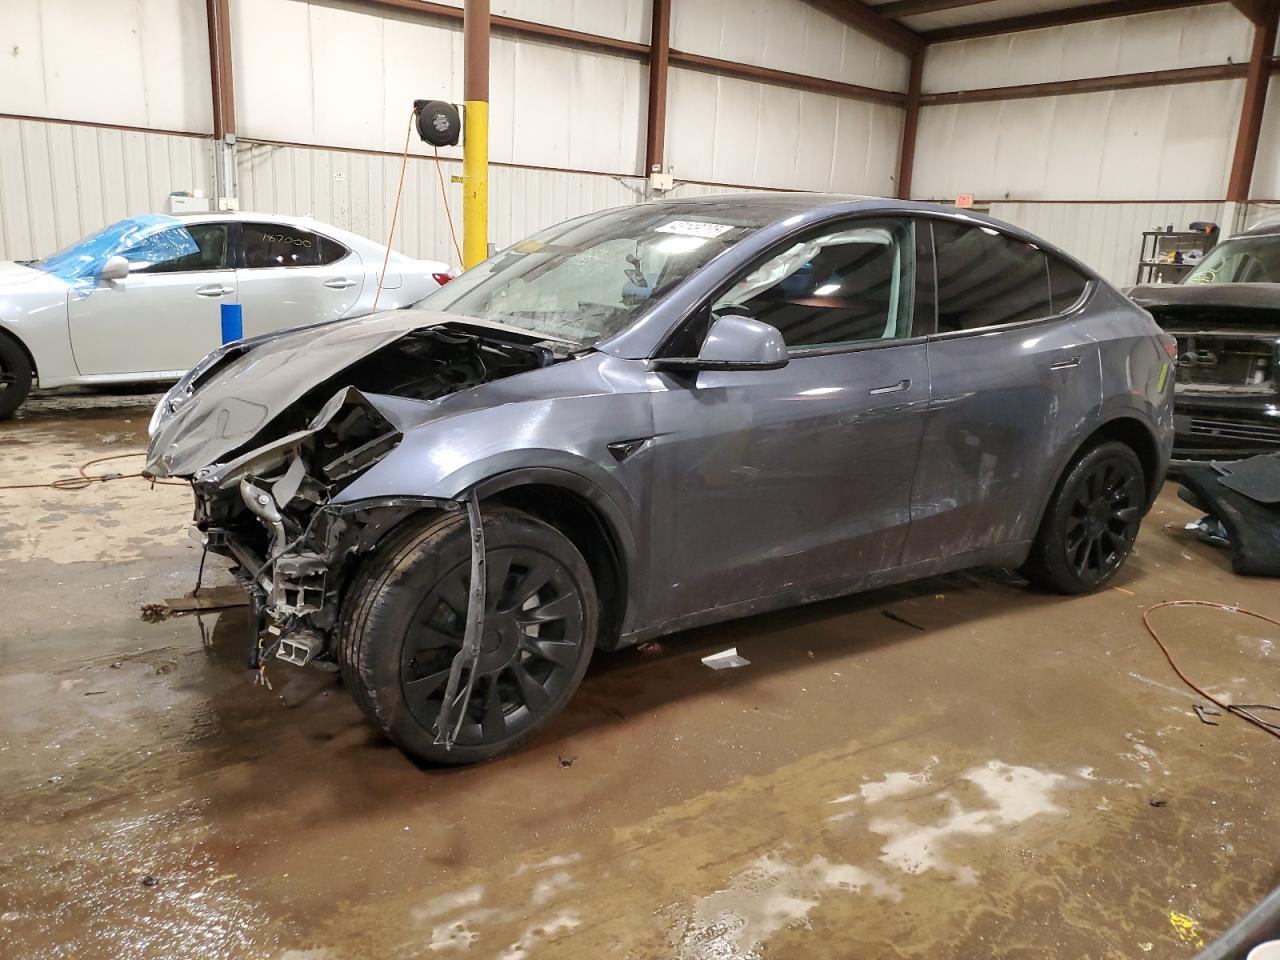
(1241, 710)
(86, 479)
(395, 211)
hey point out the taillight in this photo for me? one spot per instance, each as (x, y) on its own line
(442, 278)
(1170, 345)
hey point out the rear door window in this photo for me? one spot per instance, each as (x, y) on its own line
(986, 279)
(277, 245)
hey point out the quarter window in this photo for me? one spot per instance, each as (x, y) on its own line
(849, 285)
(986, 279)
(185, 249)
(277, 245)
(1066, 285)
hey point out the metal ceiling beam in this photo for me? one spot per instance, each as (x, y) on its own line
(218, 19)
(659, 56)
(866, 20)
(784, 78)
(1056, 18)
(1058, 88)
(910, 123)
(909, 8)
(523, 28)
(1256, 10)
(1255, 102)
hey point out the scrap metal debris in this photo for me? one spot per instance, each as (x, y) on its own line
(210, 600)
(1205, 713)
(725, 660)
(902, 620)
(469, 655)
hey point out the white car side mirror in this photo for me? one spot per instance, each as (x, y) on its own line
(116, 268)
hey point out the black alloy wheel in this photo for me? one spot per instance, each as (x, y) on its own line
(1103, 519)
(404, 615)
(1091, 521)
(529, 650)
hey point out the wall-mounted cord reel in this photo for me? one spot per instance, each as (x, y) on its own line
(439, 123)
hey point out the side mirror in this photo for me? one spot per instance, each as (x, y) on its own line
(116, 268)
(734, 343)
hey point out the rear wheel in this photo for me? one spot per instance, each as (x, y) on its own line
(1091, 522)
(15, 376)
(403, 621)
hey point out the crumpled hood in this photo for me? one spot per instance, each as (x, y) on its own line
(1253, 296)
(236, 392)
(238, 398)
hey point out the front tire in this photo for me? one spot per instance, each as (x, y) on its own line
(403, 618)
(15, 376)
(1091, 522)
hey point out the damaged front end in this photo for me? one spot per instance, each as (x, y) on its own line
(272, 504)
(270, 512)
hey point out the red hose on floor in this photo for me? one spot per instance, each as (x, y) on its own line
(1238, 709)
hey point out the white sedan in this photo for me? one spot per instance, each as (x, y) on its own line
(141, 299)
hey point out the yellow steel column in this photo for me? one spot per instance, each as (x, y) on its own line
(475, 132)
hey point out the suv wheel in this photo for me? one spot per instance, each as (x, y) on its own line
(15, 376)
(403, 618)
(1091, 521)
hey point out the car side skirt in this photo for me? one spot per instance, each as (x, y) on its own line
(1001, 555)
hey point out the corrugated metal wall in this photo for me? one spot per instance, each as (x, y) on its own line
(59, 181)
(345, 76)
(137, 63)
(1157, 41)
(1165, 152)
(356, 190)
(734, 131)
(1157, 143)
(786, 35)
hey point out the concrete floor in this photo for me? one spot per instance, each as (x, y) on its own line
(1006, 775)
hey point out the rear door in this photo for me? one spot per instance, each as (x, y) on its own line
(165, 315)
(776, 481)
(289, 276)
(1014, 376)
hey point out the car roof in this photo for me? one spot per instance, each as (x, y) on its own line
(243, 215)
(1267, 228)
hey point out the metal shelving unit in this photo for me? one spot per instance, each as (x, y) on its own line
(1154, 265)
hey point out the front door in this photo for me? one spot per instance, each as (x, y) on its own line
(778, 481)
(290, 276)
(165, 315)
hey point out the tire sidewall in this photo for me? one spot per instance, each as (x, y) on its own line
(394, 600)
(14, 359)
(1053, 558)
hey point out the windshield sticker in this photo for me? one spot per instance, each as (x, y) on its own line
(694, 228)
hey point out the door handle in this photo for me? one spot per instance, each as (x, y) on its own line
(213, 290)
(339, 283)
(1065, 364)
(898, 387)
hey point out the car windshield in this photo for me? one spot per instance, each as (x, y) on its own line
(150, 238)
(587, 279)
(1241, 260)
